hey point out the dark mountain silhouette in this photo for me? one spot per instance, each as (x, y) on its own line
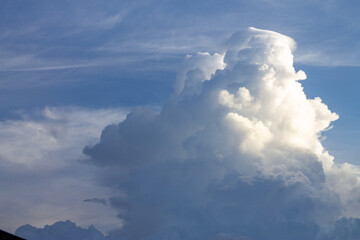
(7, 236)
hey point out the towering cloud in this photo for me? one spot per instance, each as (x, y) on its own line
(235, 153)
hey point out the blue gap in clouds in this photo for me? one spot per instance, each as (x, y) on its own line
(90, 88)
(339, 88)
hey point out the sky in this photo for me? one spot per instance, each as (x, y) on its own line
(146, 119)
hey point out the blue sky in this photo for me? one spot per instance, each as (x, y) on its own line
(70, 68)
(66, 53)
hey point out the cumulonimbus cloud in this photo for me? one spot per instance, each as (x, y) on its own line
(235, 153)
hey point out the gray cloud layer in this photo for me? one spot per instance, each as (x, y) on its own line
(235, 153)
(97, 200)
(42, 173)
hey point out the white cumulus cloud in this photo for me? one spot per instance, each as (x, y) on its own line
(235, 153)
